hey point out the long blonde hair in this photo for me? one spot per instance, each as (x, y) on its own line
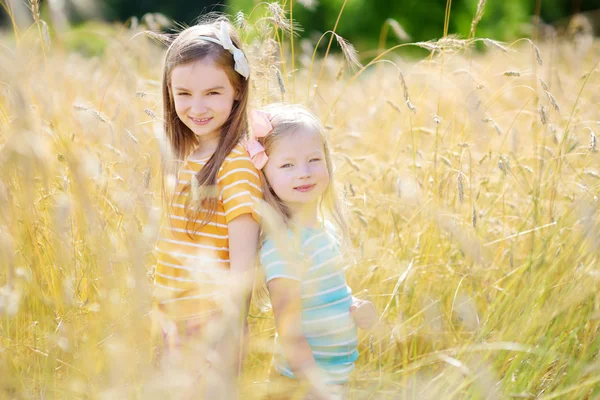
(288, 119)
(185, 47)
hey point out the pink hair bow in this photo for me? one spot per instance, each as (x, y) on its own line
(261, 127)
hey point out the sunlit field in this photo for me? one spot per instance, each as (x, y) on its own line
(472, 176)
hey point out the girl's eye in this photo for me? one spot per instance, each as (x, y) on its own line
(183, 94)
(288, 165)
(315, 159)
(213, 93)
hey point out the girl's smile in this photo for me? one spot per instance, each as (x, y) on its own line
(305, 188)
(200, 121)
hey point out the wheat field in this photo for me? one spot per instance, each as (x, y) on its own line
(472, 177)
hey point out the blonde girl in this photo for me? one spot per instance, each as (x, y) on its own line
(316, 315)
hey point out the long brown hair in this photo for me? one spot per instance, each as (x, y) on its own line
(185, 47)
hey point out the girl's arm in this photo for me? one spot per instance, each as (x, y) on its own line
(243, 246)
(286, 300)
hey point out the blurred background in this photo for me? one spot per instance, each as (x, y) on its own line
(361, 22)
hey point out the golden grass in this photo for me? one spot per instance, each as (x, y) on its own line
(473, 181)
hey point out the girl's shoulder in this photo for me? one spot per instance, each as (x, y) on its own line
(238, 152)
(266, 246)
(280, 242)
(238, 158)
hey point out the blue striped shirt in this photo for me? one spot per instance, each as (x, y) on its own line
(326, 299)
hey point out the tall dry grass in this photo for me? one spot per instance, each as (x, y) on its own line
(473, 180)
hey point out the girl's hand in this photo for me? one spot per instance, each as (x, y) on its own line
(363, 312)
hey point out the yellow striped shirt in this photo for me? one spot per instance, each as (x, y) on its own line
(192, 261)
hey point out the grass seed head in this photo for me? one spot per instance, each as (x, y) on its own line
(349, 52)
(461, 189)
(543, 115)
(280, 82)
(477, 17)
(553, 101)
(150, 113)
(496, 44)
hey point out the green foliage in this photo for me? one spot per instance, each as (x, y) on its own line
(178, 10)
(89, 39)
(362, 20)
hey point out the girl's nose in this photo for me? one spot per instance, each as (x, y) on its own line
(305, 171)
(199, 107)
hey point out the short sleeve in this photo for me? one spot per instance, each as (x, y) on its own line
(274, 265)
(239, 184)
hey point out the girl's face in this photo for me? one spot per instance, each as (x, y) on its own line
(297, 169)
(203, 97)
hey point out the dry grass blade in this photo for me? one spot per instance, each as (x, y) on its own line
(351, 163)
(45, 33)
(398, 30)
(538, 56)
(132, 137)
(497, 127)
(461, 189)
(394, 106)
(309, 4)
(409, 104)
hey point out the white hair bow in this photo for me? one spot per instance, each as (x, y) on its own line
(224, 39)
